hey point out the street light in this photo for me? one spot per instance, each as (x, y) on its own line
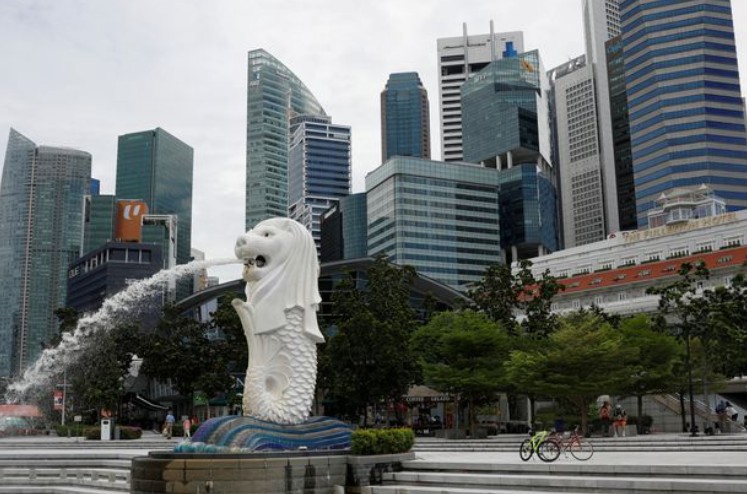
(688, 363)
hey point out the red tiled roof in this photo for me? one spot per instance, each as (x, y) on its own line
(653, 270)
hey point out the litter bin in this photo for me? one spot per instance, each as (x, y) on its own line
(106, 429)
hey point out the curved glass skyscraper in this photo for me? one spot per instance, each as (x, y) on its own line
(687, 122)
(274, 96)
(42, 197)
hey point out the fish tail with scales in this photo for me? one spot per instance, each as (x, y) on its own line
(281, 377)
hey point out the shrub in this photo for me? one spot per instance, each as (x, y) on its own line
(382, 441)
(74, 430)
(126, 432)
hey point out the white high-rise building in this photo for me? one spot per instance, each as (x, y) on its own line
(458, 59)
(578, 158)
(601, 23)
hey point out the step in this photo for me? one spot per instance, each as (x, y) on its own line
(586, 483)
(33, 489)
(408, 489)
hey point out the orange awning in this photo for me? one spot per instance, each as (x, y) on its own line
(20, 411)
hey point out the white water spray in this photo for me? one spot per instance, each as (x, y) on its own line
(114, 309)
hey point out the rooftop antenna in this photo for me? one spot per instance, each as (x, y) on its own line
(492, 41)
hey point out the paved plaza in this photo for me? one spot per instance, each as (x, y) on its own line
(655, 463)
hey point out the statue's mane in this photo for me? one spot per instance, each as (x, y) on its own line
(293, 283)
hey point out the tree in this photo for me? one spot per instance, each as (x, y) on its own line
(96, 373)
(583, 359)
(461, 353)
(501, 294)
(712, 322)
(181, 351)
(97, 376)
(658, 355)
(366, 359)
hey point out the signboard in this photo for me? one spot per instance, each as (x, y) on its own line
(129, 224)
(58, 396)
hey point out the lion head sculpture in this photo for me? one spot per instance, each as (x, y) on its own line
(281, 271)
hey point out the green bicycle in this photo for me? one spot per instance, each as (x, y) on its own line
(547, 448)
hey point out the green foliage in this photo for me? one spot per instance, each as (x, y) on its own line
(501, 294)
(367, 360)
(583, 359)
(715, 319)
(382, 441)
(74, 430)
(658, 354)
(180, 350)
(97, 374)
(126, 432)
(461, 352)
(93, 433)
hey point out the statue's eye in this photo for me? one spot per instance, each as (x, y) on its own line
(267, 234)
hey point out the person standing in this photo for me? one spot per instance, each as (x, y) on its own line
(621, 420)
(604, 416)
(169, 424)
(187, 426)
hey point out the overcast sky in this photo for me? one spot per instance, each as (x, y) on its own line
(79, 73)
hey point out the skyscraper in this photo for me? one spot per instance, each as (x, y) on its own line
(506, 126)
(619, 115)
(41, 230)
(156, 167)
(319, 163)
(686, 112)
(601, 23)
(577, 155)
(458, 59)
(405, 117)
(441, 218)
(274, 95)
(343, 229)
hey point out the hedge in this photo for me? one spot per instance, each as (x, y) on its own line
(382, 441)
(125, 432)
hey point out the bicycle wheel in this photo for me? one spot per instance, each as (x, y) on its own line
(526, 450)
(581, 450)
(549, 450)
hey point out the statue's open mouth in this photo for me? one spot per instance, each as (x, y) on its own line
(258, 261)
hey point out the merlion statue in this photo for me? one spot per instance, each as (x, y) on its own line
(279, 320)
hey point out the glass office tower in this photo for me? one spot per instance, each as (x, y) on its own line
(441, 218)
(506, 124)
(686, 112)
(319, 161)
(343, 229)
(620, 129)
(156, 167)
(274, 95)
(41, 230)
(405, 117)
(460, 58)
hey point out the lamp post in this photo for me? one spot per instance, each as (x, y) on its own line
(688, 363)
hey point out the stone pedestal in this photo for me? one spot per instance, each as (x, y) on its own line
(259, 473)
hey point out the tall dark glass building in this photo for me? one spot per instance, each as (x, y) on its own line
(405, 117)
(156, 167)
(506, 124)
(42, 198)
(343, 229)
(624, 183)
(319, 162)
(274, 96)
(687, 123)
